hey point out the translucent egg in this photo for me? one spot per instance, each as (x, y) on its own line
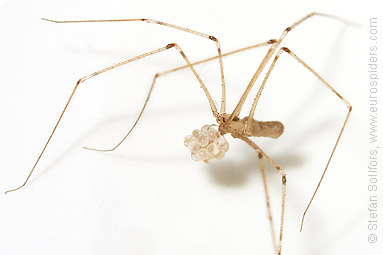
(224, 147)
(196, 133)
(220, 155)
(194, 157)
(202, 154)
(193, 146)
(203, 141)
(212, 149)
(188, 139)
(212, 134)
(205, 129)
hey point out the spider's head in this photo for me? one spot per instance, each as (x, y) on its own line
(221, 120)
(222, 117)
(206, 144)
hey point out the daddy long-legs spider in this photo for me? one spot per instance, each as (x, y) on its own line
(269, 43)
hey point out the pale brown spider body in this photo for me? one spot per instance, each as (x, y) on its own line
(271, 129)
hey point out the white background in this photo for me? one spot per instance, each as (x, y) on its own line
(149, 197)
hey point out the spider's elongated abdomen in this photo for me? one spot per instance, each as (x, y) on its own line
(272, 129)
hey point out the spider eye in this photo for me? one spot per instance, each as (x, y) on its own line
(206, 144)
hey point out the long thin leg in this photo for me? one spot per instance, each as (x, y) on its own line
(135, 123)
(151, 21)
(328, 86)
(267, 201)
(169, 71)
(284, 180)
(265, 60)
(169, 46)
(340, 133)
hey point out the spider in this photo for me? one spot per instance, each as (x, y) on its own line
(209, 143)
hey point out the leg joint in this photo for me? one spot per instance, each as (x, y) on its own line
(271, 41)
(213, 38)
(171, 45)
(286, 49)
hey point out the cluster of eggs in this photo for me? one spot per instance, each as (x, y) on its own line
(206, 144)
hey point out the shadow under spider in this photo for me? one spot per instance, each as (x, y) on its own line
(235, 174)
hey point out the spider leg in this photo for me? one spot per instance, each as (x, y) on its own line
(284, 49)
(341, 130)
(278, 168)
(187, 30)
(261, 166)
(169, 46)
